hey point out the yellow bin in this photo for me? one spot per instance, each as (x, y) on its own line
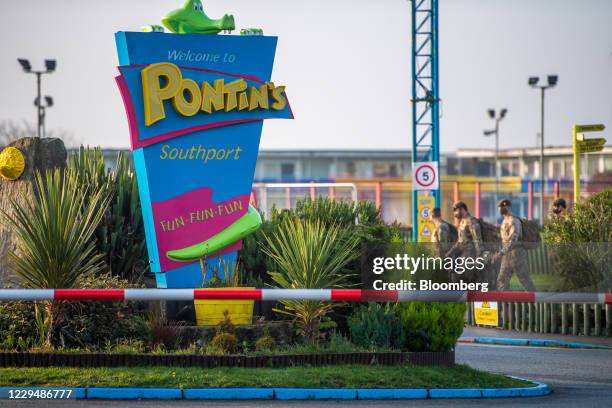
(209, 312)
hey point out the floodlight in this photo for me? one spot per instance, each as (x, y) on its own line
(491, 113)
(50, 65)
(552, 80)
(533, 81)
(25, 64)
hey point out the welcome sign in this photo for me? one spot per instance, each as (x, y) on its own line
(195, 106)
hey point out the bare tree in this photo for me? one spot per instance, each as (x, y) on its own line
(12, 130)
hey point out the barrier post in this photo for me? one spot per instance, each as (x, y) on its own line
(508, 314)
(517, 317)
(563, 318)
(510, 324)
(455, 191)
(586, 318)
(608, 320)
(597, 312)
(541, 317)
(575, 319)
(469, 313)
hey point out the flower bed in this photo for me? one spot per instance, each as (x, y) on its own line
(32, 359)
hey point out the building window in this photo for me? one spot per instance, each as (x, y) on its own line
(507, 168)
(287, 171)
(351, 169)
(485, 168)
(393, 170)
(385, 170)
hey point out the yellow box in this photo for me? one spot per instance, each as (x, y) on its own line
(209, 312)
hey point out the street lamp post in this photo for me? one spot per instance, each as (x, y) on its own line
(50, 66)
(48, 102)
(551, 82)
(497, 119)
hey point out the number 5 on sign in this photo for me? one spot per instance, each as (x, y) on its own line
(425, 176)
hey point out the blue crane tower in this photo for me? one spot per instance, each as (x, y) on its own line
(425, 99)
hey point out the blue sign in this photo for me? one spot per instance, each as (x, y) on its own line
(195, 106)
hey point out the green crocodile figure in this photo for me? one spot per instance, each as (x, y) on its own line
(191, 19)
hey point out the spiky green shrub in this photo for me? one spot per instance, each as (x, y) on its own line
(120, 236)
(362, 220)
(309, 255)
(54, 238)
(337, 212)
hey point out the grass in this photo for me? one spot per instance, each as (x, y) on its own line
(344, 376)
(543, 283)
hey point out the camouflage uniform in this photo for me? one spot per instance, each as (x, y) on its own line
(441, 238)
(469, 244)
(469, 241)
(514, 256)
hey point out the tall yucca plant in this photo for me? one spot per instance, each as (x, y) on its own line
(54, 237)
(309, 255)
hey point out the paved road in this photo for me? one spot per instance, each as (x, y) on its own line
(472, 331)
(580, 378)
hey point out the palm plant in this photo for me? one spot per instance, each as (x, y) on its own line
(309, 255)
(54, 237)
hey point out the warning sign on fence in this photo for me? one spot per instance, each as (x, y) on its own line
(485, 313)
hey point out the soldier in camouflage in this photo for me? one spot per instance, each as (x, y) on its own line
(469, 241)
(558, 208)
(513, 255)
(441, 237)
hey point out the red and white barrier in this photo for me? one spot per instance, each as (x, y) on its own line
(331, 295)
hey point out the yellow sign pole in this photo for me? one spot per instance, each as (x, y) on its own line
(576, 166)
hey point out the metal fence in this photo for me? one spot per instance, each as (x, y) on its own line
(588, 319)
(394, 196)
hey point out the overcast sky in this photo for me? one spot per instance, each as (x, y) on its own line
(329, 53)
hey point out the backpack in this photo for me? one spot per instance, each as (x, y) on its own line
(530, 235)
(491, 237)
(453, 234)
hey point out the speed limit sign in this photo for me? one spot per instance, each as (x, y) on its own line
(425, 176)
